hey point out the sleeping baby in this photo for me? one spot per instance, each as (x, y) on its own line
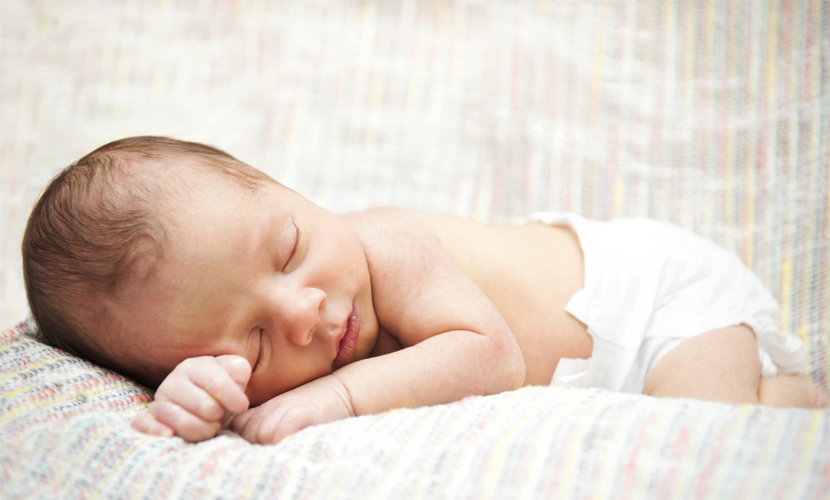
(248, 307)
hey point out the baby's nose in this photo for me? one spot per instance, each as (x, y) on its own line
(304, 315)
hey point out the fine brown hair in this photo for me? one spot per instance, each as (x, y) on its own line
(94, 221)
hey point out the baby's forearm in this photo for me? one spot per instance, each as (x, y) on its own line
(441, 369)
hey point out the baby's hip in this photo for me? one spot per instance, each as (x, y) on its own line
(649, 285)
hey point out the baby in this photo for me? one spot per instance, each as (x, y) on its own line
(249, 307)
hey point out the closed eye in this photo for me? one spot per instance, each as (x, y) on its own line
(293, 250)
(258, 361)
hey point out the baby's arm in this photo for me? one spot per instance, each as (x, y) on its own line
(455, 341)
(196, 398)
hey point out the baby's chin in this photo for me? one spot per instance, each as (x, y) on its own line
(365, 344)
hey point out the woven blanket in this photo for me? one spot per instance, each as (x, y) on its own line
(65, 434)
(714, 115)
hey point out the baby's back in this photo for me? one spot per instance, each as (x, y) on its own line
(529, 272)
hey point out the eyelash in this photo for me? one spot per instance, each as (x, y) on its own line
(293, 250)
(259, 353)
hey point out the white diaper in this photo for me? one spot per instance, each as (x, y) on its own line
(650, 285)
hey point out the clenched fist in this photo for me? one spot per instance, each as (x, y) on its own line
(197, 398)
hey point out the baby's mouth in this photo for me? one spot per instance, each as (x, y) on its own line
(346, 345)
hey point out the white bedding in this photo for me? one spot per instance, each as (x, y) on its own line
(65, 433)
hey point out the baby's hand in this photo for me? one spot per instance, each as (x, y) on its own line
(317, 402)
(197, 398)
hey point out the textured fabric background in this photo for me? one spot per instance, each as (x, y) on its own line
(714, 115)
(67, 437)
(711, 114)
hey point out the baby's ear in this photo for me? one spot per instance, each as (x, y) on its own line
(237, 367)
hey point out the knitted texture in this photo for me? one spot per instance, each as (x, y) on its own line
(712, 115)
(64, 430)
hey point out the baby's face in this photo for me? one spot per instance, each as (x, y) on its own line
(270, 277)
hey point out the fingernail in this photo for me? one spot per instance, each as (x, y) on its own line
(161, 431)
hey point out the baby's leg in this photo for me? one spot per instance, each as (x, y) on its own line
(786, 391)
(719, 365)
(723, 365)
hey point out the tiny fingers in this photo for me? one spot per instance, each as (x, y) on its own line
(197, 398)
(148, 424)
(260, 426)
(219, 384)
(193, 399)
(237, 367)
(293, 420)
(248, 424)
(238, 422)
(185, 424)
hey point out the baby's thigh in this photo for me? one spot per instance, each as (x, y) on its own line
(718, 365)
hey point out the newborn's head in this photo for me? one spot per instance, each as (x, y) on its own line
(98, 227)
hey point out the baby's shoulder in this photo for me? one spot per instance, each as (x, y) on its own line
(385, 226)
(400, 243)
(411, 234)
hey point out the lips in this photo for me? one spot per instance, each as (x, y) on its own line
(345, 347)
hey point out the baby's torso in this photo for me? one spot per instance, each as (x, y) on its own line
(529, 272)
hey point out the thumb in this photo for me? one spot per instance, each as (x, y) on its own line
(237, 367)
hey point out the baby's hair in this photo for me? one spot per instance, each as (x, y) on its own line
(95, 221)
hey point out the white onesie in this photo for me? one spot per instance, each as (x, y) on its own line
(650, 285)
